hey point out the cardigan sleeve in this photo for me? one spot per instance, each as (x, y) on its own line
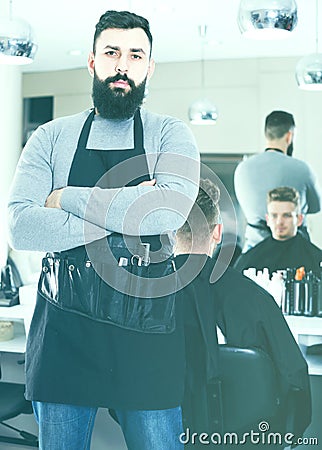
(31, 225)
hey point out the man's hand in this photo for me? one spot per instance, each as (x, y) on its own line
(53, 199)
(148, 183)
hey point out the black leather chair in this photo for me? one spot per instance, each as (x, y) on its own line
(12, 404)
(244, 398)
(250, 399)
(249, 388)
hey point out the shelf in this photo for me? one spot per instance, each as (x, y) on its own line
(21, 316)
(314, 363)
(301, 325)
(15, 312)
(307, 331)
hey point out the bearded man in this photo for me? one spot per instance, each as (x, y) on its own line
(102, 192)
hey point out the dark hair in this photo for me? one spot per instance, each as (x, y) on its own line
(277, 124)
(204, 214)
(122, 20)
(284, 194)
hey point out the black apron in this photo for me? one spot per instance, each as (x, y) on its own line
(74, 358)
(70, 280)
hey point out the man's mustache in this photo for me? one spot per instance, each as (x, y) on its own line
(118, 77)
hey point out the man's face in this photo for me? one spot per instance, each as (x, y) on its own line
(283, 220)
(120, 66)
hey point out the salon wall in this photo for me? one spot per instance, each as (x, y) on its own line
(244, 91)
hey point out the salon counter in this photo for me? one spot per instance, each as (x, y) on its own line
(307, 331)
(21, 316)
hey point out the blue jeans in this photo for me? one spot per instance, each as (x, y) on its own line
(68, 427)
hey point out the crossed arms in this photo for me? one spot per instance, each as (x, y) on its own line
(43, 216)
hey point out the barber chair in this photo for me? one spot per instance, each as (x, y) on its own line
(12, 404)
(250, 398)
(245, 398)
(249, 388)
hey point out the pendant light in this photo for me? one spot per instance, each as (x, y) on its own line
(202, 111)
(16, 40)
(308, 71)
(267, 19)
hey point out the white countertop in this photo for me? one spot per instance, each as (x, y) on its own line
(306, 330)
(301, 325)
(21, 316)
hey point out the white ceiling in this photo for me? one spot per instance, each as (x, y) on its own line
(62, 26)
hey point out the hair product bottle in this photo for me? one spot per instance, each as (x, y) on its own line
(288, 300)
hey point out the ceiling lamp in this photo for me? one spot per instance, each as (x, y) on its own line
(16, 41)
(267, 19)
(308, 71)
(202, 111)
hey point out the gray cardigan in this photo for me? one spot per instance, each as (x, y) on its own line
(89, 214)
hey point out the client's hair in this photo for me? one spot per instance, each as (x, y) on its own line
(203, 216)
(284, 194)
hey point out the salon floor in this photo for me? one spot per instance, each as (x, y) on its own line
(106, 436)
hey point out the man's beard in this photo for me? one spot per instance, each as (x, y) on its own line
(290, 149)
(116, 103)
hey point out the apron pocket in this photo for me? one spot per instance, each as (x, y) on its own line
(77, 288)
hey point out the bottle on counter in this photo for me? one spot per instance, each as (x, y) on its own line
(300, 292)
(288, 297)
(318, 311)
(276, 287)
(310, 303)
